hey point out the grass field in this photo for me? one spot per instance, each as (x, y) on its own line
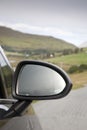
(79, 80)
(66, 61)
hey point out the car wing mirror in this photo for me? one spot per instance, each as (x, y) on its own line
(36, 80)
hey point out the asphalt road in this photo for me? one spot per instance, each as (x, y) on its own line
(69, 113)
(29, 122)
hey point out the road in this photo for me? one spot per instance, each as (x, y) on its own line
(22, 123)
(69, 113)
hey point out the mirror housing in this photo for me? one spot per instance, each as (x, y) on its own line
(36, 80)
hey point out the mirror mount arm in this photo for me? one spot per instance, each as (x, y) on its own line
(16, 109)
(8, 101)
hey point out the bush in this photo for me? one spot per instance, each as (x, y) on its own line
(82, 68)
(75, 68)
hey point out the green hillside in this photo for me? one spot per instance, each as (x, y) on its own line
(21, 41)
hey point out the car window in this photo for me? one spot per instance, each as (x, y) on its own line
(2, 60)
(6, 74)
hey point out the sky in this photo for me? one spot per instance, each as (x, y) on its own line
(65, 19)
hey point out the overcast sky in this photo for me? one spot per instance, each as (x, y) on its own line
(65, 19)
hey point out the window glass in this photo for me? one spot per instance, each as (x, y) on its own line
(2, 61)
(6, 73)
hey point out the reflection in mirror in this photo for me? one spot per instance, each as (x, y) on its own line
(37, 80)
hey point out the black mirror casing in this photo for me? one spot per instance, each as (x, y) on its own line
(52, 67)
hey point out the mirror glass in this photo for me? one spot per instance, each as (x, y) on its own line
(37, 80)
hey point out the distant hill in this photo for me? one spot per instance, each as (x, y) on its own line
(83, 45)
(19, 41)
